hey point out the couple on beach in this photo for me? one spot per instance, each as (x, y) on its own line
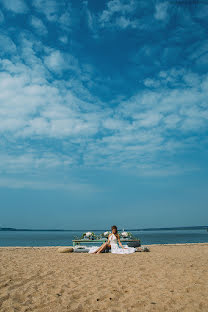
(112, 243)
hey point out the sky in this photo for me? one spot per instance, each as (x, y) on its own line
(103, 113)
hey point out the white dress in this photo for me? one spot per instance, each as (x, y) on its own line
(114, 247)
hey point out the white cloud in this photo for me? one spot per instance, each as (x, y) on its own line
(148, 119)
(55, 61)
(7, 45)
(35, 107)
(49, 8)
(124, 22)
(65, 21)
(174, 78)
(118, 13)
(161, 11)
(58, 12)
(59, 62)
(38, 25)
(14, 183)
(64, 39)
(203, 60)
(46, 106)
(116, 6)
(16, 6)
(1, 17)
(172, 120)
(148, 82)
(125, 135)
(33, 160)
(197, 50)
(91, 20)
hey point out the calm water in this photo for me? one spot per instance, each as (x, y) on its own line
(50, 238)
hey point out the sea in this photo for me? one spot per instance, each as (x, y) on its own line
(64, 238)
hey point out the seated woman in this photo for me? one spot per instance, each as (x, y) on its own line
(113, 238)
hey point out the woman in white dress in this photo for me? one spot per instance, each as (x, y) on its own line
(112, 243)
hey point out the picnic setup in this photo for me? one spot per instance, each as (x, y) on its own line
(89, 242)
(92, 238)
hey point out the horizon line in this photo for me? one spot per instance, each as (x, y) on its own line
(96, 230)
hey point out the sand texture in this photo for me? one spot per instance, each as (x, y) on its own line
(168, 278)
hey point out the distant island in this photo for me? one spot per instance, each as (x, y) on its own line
(200, 227)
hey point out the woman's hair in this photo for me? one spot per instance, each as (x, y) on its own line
(114, 227)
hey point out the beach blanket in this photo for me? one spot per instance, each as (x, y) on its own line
(115, 249)
(81, 249)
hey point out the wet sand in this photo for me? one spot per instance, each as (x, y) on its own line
(168, 278)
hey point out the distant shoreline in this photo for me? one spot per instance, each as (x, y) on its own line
(200, 227)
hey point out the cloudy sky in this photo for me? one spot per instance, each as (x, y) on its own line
(103, 113)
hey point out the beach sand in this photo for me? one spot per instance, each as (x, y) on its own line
(168, 278)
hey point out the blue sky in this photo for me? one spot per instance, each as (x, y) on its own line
(103, 113)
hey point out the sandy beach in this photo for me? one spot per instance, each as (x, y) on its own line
(168, 278)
